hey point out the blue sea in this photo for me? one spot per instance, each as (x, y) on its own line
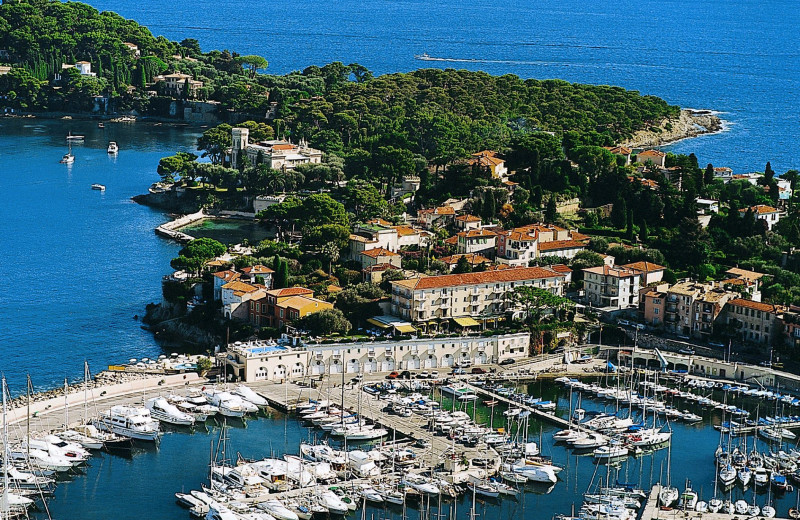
(80, 264)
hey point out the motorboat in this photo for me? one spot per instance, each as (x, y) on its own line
(67, 158)
(610, 452)
(760, 476)
(18, 479)
(485, 489)
(279, 511)
(99, 187)
(768, 511)
(753, 510)
(129, 421)
(369, 493)
(85, 441)
(535, 472)
(164, 411)
(421, 484)
(332, 502)
(42, 460)
(229, 405)
(744, 476)
(113, 148)
(591, 441)
(701, 507)
(246, 393)
(714, 505)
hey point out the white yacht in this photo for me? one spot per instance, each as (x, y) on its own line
(67, 158)
(246, 393)
(278, 510)
(113, 148)
(128, 421)
(42, 460)
(162, 410)
(229, 405)
(332, 502)
(535, 472)
(99, 187)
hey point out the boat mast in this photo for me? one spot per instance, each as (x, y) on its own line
(28, 420)
(66, 405)
(85, 392)
(4, 502)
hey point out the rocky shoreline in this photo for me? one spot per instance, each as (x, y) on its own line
(690, 123)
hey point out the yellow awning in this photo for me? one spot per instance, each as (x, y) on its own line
(466, 322)
(405, 328)
(379, 324)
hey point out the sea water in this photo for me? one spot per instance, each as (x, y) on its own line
(740, 57)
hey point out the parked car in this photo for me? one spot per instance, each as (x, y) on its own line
(405, 374)
(478, 370)
(393, 375)
(508, 361)
(457, 371)
(687, 350)
(422, 375)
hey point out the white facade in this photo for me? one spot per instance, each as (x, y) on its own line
(614, 287)
(252, 363)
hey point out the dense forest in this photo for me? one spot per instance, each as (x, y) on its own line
(435, 113)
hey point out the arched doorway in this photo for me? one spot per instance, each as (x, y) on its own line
(388, 364)
(353, 366)
(414, 363)
(318, 368)
(430, 361)
(280, 372)
(481, 358)
(336, 367)
(448, 360)
(371, 365)
(298, 370)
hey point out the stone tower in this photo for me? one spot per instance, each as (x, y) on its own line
(239, 138)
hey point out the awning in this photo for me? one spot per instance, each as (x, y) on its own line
(408, 329)
(466, 322)
(380, 325)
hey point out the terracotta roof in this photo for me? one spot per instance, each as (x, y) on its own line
(257, 269)
(560, 244)
(486, 158)
(750, 304)
(228, 276)
(744, 273)
(618, 150)
(761, 209)
(215, 263)
(645, 267)
(579, 236)
(651, 153)
(561, 268)
(468, 218)
(442, 210)
(359, 238)
(472, 258)
(241, 287)
(378, 251)
(617, 272)
(286, 146)
(289, 291)
(378, 268)
(453, 240)
(472, 233)
(302, 302)
(405, 231)
(334, 288)
(487, 277)
(380, 222)
(733, 281)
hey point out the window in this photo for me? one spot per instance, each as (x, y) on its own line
(655, 311)
(281, 313)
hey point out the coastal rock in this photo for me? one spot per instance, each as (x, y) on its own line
(690, 123)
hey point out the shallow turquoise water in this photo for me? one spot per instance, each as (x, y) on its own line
(228, 231)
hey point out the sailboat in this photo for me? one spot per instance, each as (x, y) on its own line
(667, 495)
(68, 158)
(11, 505)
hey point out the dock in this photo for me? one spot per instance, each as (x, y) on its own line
(652, 511)
(286, 397)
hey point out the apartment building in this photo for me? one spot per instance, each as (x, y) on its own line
(519, 246)
(752, 322)
(484, 297)
(293, 359)
(611, 287)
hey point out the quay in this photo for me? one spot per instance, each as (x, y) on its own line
(287, 395)
(652, 511)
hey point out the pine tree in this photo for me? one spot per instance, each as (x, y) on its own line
(629, 229)
(643, 231)
(489, 206)
(551, 211)
(709, 175)
(619, 213)
(768, 173)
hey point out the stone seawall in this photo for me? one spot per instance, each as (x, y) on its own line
(170, 229)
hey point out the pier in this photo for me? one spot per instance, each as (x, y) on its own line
(652, 511)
